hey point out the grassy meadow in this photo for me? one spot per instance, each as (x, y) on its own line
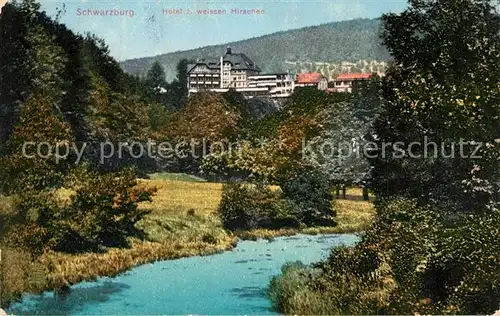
(182, 222)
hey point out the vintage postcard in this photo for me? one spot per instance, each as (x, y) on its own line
(249, 157)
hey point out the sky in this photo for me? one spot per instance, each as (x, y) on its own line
(153, 27)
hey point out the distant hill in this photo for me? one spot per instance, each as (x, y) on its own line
(328, 48)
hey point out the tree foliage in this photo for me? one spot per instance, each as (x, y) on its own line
(444, 88)
(433, 248)
(206, 116)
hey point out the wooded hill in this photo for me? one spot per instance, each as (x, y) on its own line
(328, 48)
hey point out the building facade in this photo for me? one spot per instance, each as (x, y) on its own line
(344, 82)
(237, 71)
(280, 85)
(312, 79)
(229, 71)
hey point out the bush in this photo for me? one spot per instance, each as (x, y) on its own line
(440, 267)
(340, 290)
(103, 211)
(408, 234)
(411, 260)
(304, 200)
(29, 226)
(469, 265)
(283, 288)
(248, 206)
(310, 194)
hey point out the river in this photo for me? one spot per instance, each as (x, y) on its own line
(232, 282)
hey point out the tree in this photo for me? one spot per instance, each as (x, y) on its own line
(208, 116)
(41, 119)
(433, 246)
(339, 149)
(14, 67)
(159, 118)
(179, 85)
(366, 100)
(156, 84)
(443, 87)
(25, 171)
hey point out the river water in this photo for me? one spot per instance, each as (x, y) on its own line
(232, 282)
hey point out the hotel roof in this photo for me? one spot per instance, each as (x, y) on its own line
(239, 61)
(312, 77)
(354, 76)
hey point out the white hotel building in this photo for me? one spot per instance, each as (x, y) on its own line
(237, 71)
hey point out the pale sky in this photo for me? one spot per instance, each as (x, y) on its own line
(150, 32)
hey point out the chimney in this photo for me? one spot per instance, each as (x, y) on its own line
(228, 51)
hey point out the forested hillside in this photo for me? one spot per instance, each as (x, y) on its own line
(329, 48)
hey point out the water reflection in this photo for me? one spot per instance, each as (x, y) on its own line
(67, 303)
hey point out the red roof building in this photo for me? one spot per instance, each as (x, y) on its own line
(311, 79)
(343, 83)
(355, 76)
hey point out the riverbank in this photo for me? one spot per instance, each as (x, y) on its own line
(199, 285)
(183, 222)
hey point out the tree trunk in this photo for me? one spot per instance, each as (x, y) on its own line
(365, 194)
(343, 191)
(338, 190)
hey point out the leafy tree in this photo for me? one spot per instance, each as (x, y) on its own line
(237, 101)
(366, 101)
(156, 84)
(14, 67)
(22, 169)
(41, 120)
(434, 243)
(261, 162)
(103, 210)
(159, 118)
(249, 206)
(310, 195)
(179, 89)
(339, 149)
(206, 116)
(443, 87)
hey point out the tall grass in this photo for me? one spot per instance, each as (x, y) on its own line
(19, 272)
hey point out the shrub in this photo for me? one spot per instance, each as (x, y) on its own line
(310, 193)
(408, 234)
(439, 267)
(384, 273)
(469, 264)
(339, 290)
(248, 206)
(283, 288)
(29, 226)
(411, 260)
(103, 211)
(38, 122)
